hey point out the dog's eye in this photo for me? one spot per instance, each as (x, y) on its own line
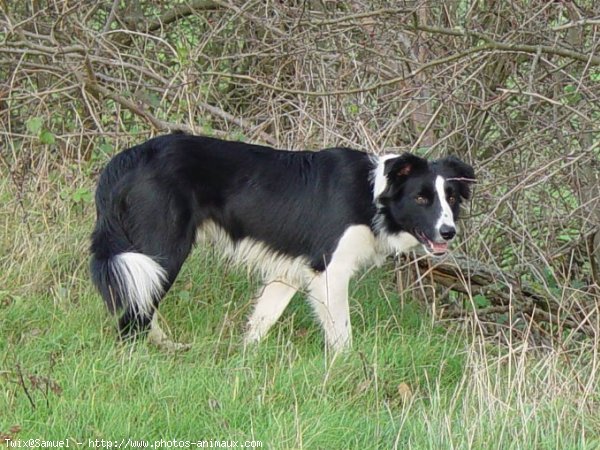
(421, 200)
(451, 200)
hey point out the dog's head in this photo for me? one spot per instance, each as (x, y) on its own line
(423, 198)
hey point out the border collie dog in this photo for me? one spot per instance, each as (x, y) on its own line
(304, 220)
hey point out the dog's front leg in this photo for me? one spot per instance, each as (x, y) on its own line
(328, 294)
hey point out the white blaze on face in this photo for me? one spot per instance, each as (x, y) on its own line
(446, 216)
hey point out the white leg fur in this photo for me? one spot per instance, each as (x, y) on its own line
(328, 292)
(273, 300)
(158, 337)
(328, 295)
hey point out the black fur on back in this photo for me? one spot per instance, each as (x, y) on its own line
(152, 198)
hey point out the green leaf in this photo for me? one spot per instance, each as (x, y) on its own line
(148, 97)
(82, 195)
(238, 136)
(481, 301)
(34, 125)
(550, 278)
(182, 52)
(47, 137)
(207, 129)
(153, 99)
(502, 318)
(353, 109)
(573, 96)
(105, 148)
(223, 86)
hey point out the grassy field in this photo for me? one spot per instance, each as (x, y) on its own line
(407, 383)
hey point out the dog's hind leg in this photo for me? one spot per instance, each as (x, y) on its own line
(145, 230)
(168, 237)
(269, 306)
(156, 335)
(141, 288)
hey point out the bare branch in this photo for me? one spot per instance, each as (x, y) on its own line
(175, 13)
(512, 47)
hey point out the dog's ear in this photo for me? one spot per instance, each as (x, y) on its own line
(403, 166)
(454, 169)
(395, 172)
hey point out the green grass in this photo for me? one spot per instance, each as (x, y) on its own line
(63, 373)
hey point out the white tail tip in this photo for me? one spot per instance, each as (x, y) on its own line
(140, 280)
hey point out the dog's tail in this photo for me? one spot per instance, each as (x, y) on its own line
(130, 282)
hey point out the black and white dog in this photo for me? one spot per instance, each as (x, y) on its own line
(302, 219)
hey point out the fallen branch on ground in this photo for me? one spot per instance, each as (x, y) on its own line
(508, 293)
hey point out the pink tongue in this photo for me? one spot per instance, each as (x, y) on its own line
(439, 247)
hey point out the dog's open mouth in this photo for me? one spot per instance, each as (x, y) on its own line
(436, 248)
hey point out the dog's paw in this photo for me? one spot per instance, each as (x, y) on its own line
(158, 338)
(167, 345)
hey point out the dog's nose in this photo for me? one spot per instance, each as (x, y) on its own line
(447, 232)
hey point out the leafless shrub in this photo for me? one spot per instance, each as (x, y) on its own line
(511, 86)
